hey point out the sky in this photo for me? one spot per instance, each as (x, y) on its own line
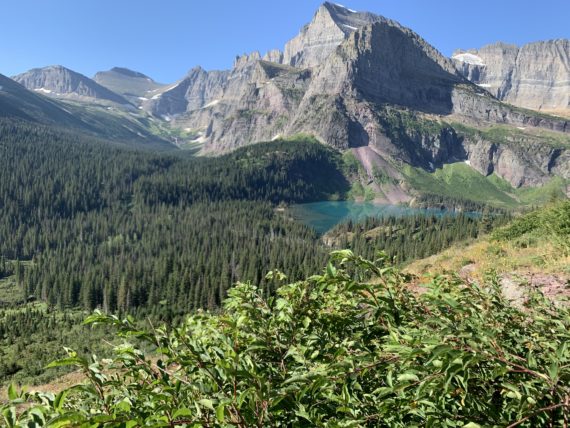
(164, 39)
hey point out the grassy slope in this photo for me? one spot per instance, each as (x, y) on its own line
(536, 243)
(459, 180)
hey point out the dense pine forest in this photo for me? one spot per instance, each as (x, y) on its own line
(86, 224)
(412, 237)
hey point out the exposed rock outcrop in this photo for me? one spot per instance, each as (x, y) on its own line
(60, 82)
(535, 76)
(197, 89)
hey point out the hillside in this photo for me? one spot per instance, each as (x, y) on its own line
(532, 253)
(358, 343)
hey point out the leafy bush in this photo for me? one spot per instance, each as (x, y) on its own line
(350, 347)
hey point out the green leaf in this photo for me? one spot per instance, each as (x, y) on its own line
(71, 361)
(182, 412)
(12, 394)
(60, 399)
(408, 377)
(331, 270)
(207, 403)
(513, 391)
(220, 412)
(9, 415)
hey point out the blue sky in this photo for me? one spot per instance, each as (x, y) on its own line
(166, 38)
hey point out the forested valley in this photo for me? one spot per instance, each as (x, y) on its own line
(86, 224)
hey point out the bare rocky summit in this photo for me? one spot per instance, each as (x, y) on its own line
(60, 82)
(132, 85)
(535, 76)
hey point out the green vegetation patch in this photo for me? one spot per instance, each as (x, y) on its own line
(351, 346)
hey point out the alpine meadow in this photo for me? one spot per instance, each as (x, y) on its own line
(353, 230)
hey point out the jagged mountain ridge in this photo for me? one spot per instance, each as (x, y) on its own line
(344, 99)
(536, 75)
(60, 82)
(362, 82)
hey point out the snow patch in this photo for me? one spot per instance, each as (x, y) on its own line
(276, 137)
(143, 98)
(469, 58)
(140, 107)
(468, 162)
(431, 165)
(167, 118)
(344, 7)
(201, 139)
(522, 128)
(484, 85)
(171, 88)
(156, 97)
(211, 104)
(44, 90)
(350, 27)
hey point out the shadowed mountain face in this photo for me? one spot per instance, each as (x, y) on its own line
(536, 75)
(60, 82)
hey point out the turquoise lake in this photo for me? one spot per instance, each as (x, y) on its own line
(323, 216)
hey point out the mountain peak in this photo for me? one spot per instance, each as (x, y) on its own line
(330, 26)
(61, 82)
(129, 73)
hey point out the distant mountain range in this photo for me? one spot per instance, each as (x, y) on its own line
(359, 82)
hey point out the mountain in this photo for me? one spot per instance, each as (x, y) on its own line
(196, 90)
(60, 82)
(536, 75)
(132, 85)
(18, 102)
(114, 124)
(365, 83)
(331, 25)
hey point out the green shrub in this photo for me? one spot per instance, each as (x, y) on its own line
(337, 350)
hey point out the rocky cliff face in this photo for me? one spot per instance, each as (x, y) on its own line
(60, 82)
(194, 91)
(363, 82)
(331, 25)
(535, 76)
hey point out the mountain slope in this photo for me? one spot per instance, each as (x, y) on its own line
(132, 85)
(196, 90)
(60, 82)
(536, 75)
(17, 102)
